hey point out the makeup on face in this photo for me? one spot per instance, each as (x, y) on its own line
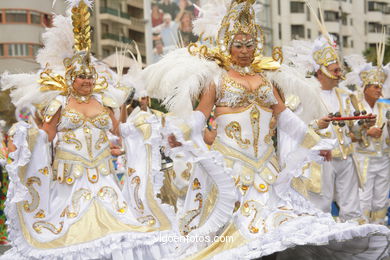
(248, 43)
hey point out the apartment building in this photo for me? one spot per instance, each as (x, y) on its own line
(118, 23)
(21, 24)
(356, 24)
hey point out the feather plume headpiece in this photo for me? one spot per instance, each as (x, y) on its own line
(364, 74)
(237, 18)
(80, 61)
(324, 48)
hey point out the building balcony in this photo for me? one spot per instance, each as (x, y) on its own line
(386, 19)
(333, 27)
(346, 30)
(112, 39)
(346, 6)
(330, 5)
(299, 18)
(137, 24)
(334, 5)
(28, 33)
(136, 3)
(373, 37)
(114, 15)
(375, 16)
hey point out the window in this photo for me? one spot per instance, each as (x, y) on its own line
(345, 41)
(106, 52)
(308, 13)
(35, 49)
(352, 44)
(297, 7)
(374, 27)
(105, 28)
(331, 16)
(18, 50)
(47, 20)
(377, 7)
(344, 19)
(308, 33)
(280, 31)
(279, 12)
(16, 16)
(351, 22)
(35, 18)
(1, 50)
(1, 16)
(297, 32)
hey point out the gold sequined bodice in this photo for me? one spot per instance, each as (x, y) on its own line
(230, 93)
(72, 119)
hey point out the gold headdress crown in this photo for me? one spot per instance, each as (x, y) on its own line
(240, 18)
(376, 75)
(80, 62)
(326, 56)
(324, 53)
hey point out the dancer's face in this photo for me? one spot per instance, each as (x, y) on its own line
(373, 92)
(83, 84)
(336, 75)
(242, 50)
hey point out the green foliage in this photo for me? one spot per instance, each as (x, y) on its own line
(370, 54)
(156, 104)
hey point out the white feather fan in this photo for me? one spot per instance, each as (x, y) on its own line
(210, 17)
(293, 81)
(58, 43)
(179, 79)
(25, 89)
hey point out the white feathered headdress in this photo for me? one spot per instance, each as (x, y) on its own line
(363, 73)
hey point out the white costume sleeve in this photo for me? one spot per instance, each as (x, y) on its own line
(306, 147)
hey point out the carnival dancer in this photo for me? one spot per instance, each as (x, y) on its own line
(70, 206)
(270, 216)
(340, 178)
(373, 148)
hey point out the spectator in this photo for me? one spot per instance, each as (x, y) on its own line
(196, 4)
(157, 15)
(185, 28)
(168, 30)
(184, 6)
(169, 8)
(159, 50)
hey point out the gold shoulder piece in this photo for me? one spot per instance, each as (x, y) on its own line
(265, 63)
(292, 102)
(51, 110)
(109, 102)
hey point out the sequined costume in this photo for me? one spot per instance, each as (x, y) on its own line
(75, 207)
(63, 200)
(271, 213)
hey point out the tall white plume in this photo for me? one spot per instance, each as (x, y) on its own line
(179, 79)
(58, 43)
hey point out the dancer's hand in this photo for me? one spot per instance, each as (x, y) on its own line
(327, 154)
(375, 132)
(116, 150)
(324, 122)
(371, 122)
(173, 142)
